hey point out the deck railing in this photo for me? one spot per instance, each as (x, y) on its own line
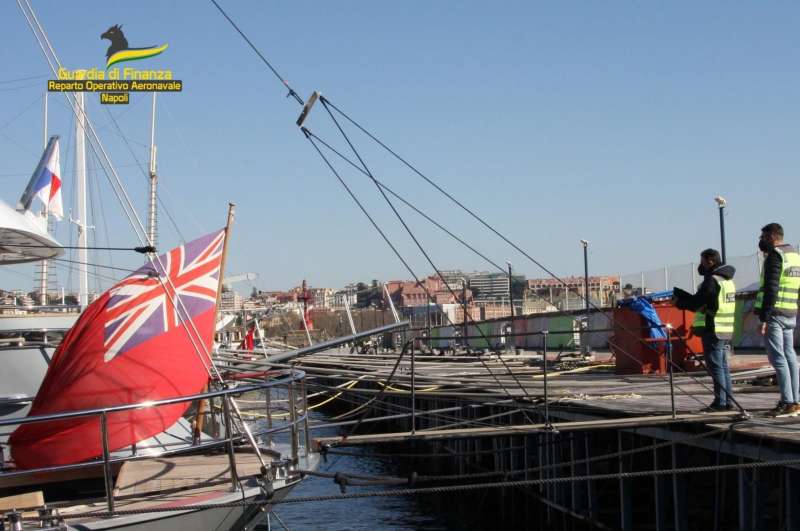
(292, 380)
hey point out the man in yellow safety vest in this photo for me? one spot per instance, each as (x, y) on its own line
(715, 307)
(776, 306)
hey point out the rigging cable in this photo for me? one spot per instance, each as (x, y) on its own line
(283, 81)
(306, 132)
(327, 102)
(383, 235)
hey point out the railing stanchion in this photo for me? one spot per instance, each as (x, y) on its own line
(544, 377)
(413, 394)
(306, 434)
(107, 473)
(229, 432)
(269, 416)
(293, 419)
(668, 329)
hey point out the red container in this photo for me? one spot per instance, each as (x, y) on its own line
(636, 353)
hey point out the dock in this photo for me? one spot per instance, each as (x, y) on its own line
(476, 414)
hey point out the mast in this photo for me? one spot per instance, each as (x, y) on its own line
(80, 191)
(43, 263)
(151, 217)
(224, 259)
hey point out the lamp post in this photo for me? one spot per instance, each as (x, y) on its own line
(510, 326)
(721, 202)
(464, 303)
(510, 289)
(585, 244)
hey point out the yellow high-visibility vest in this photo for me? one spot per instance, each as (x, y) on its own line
(724, 318)
(788, 285)
(726, 310)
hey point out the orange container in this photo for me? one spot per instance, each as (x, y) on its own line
(637, 353)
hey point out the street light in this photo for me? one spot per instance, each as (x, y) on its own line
(721, 202)
(585, 244)
(510, 290)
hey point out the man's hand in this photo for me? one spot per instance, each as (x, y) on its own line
(763, 329)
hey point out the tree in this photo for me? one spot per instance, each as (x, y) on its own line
(518, 286)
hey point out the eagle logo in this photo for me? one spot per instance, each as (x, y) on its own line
(119, 50)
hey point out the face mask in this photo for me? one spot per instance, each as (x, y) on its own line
(764, 246)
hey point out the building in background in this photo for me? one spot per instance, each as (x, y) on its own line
(322, 297)
(347, 296)
(568, 295)
(230, 301)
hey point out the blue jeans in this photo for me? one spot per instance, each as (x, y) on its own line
(715, 354)
(780, 349)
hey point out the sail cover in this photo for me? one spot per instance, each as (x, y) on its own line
(147, 338)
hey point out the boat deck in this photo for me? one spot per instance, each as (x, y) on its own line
(167, 482)
(193, 472)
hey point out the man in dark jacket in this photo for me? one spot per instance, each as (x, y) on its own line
(776, 306)
(716, 298)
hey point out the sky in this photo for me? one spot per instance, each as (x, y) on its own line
(614, 122)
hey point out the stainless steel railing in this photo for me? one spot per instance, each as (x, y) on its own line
(290, 379)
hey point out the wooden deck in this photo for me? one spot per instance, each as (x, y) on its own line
(137, 478)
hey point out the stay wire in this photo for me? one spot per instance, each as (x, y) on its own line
(383, 234)
(95, 265)
(483, 336)
(422, 250)
(409, 204)
(283, 81)
(146, 176)
(420, 212)
(405, 162)
(326, 103)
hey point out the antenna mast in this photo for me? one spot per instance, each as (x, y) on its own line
(43, 264)
(151, 217)
(80, 191)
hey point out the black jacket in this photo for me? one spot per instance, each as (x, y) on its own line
(773, 265)
(707, 296)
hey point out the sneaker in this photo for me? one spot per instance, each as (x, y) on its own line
(785, 410)
(792, 410)
(778, 410)
(711, 408)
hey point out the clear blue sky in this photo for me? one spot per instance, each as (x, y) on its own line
(617, 122)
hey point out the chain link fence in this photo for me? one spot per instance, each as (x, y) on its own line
(684, 276)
